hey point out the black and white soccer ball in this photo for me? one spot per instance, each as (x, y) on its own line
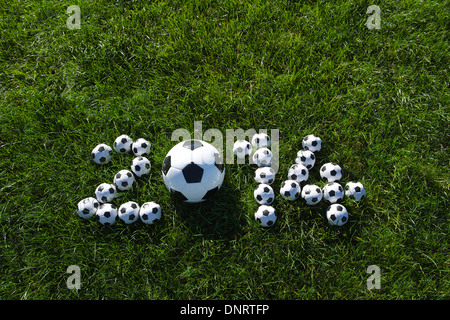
(265, 216)
(264, 194)
(140, 166)
(105, 192)
(124, 180)
(312, 143)
(150, 212)
(265, 175)
(141, 147)
(193, 170)
(290, 190)
(333, 192)
(312, 194)
(298, 172)
(107, 214)
(337, 214)
(242, 148)
(122, 144)
(306, 158)
(260, 140)
(355, 190)
(101, 154)
(263, 157)
(129, 212)
(331, 172)
(87, 207)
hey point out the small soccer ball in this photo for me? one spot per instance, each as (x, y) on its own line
(105, 192)
(124, 180)
(101, 154)
(337, 214)
(312, 194)
(150, 213)
(242, 148)
(129, 212)
(122, 144)
(306, 158)
(312, 143)
(265, 175)
(140, 166)
(264, 194)
(263, 157)
(298, 172)
(265, 216)
(333, 192)
(141, 147)
(331, 172)
(87, 208)
(355, 190)
(107, 214)
(290, 190)
(261, 140)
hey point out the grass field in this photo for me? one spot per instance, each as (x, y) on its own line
(379, 99)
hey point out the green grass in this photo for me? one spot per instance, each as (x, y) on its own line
(379, 100)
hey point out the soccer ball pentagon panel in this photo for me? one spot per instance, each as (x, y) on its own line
(312, 194)
(107, 214)
(242, 148)
(101, 154)
(331, 172)
(124, 180)
(140, 166)
(355, 190)
(129, 212)
(261, 140)
(122, 144)
(306, 158)
(265, 216)
(290, 190)
(337, 214)
(333, 192)
(141, 147)
(150, 213)
(265, 175)
(312, 143)
(263, 157)
(298, 172)
(87, 208)
(105, 192)
(193, 170)
(264, 194)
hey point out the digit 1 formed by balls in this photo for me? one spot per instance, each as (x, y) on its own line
(265, 216)
(150, 213)
(87, 208)
(107, 214)
(261, 140)
(263, 157)
(337, 214)
(101, 154)
(265, 175)
(242, 148)
(264, 194)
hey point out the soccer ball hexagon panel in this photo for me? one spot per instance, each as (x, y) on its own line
(193, 170)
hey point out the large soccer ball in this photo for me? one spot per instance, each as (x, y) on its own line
(337, 214)
(101, 154)
(193, 170)
(266, 216)
(264, 194)
(331, 172)
(355, 190)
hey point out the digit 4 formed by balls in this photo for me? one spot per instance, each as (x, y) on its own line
(105, 192)
(264, 194)
(331, 172)
(101, 154)
(306, 158)
(355, 190)
(333, 192)
(150, 213)
(290, 190)
(266, 216)
(312, 143)
(87, 207)
(312, 194)
(337, 214)
(298, 172)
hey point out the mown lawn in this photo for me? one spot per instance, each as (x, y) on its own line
(379, 100)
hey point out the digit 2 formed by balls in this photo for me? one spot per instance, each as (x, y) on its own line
(193, 170)
(101, 154)
(150, 212)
